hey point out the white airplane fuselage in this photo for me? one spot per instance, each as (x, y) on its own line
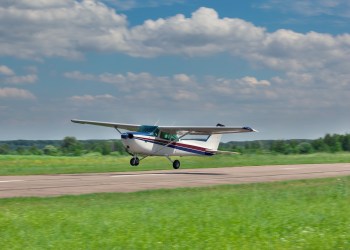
(143, 144)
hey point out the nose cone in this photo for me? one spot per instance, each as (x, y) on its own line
(133, 143)
(126, 140)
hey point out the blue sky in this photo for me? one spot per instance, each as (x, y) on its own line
(281, 67)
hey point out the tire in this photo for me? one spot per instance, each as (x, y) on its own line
(134, 161)
(176, 164)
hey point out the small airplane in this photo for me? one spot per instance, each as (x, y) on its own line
(148, 140)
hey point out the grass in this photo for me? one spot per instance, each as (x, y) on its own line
(24, 165)
(310, 214)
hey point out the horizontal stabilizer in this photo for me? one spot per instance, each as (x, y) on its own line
(224, 152)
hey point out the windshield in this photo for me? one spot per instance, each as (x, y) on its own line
(151, 130)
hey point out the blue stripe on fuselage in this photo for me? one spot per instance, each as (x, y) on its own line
(183, 148)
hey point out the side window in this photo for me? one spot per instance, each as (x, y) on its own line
(164, 135)
(167, 136)
(173, 137)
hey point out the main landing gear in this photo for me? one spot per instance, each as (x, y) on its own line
(135, 161)
(176, 163)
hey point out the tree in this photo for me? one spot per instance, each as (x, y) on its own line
(4, 149)
(33, 150)
(21, 150)
(254, 146)
(50, 150)
(279, 147)
(345, 142)
(319, 145)
(71, 146)
(119, 147)
(333, 142)
(304, 148)
(106, 148)
(292, 147)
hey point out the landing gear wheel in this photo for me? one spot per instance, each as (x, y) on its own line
(176, 164)
(134, 161)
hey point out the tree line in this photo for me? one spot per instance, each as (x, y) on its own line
(329, 143)
(70, 146)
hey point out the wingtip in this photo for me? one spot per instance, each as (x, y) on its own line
(75, 120)
(250, 129)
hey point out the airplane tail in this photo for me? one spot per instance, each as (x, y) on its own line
(214, 141)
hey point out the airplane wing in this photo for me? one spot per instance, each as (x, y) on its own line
(202, 130)
(190, 130)
(130, 127)
(223, 152)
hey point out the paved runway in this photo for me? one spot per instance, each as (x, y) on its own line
(73, 184)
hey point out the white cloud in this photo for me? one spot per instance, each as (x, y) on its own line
(129, 81)
(77, 75)
(206, 33)
(183, 78)
(133, 4)
(247, 85)
(182, 95)
(36, 29)
(38, 4)
(187, 89)
(4, 70)
(7, 75)
(252, 81)
(69, 28)
(21, 79)
(202, 34)
(90, 99)
(103, 102)
(15, 93)
(311, 7)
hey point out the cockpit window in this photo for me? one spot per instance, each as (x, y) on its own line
(167, 136)
(151, 130)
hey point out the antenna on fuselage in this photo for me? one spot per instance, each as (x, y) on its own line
(220, 125)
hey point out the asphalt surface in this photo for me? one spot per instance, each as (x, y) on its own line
(74, 184)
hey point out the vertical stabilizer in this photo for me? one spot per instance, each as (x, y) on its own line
(214, 141)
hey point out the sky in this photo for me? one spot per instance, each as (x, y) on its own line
(279, 66)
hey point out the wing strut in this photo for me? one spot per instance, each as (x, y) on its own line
(118, 130)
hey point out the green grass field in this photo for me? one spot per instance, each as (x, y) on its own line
(310, 214)
(24, 165)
